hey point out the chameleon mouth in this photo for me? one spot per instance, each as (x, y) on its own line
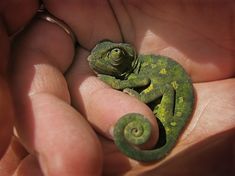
(107, 70)
(99, 70)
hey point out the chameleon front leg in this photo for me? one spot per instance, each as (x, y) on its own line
(147, 95)
(118, 84)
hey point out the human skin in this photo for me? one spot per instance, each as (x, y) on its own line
(194, 34)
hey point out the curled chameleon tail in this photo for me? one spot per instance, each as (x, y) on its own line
(134, 129)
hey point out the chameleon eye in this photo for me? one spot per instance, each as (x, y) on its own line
(115, 54)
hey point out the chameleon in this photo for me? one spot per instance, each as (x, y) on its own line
(156, 80)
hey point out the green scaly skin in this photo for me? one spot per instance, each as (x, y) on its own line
(157, 81)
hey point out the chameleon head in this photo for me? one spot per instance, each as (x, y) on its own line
(114, 59)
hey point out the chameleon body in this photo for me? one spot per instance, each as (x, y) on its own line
(156, 80)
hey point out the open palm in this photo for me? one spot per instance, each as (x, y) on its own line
(198, 35)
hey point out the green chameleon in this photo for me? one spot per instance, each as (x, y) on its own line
(159, 82)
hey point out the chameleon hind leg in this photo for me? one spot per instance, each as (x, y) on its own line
(165, 114)
(165, 110)
(134, 127)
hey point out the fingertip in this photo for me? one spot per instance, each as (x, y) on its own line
(106, 106)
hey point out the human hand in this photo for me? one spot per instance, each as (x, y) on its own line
(42, 87)
(163, 28)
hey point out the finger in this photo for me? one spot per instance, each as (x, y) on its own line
(6, 114)
(102, 105)
(28, 166)
(15, 14)
(13, 156)
(90, 20)
(47, 125)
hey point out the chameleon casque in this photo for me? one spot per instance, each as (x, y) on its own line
(156, 80)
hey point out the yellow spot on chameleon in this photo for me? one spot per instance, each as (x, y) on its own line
(162, 62)
(153, 65)
(178, 114)
(174, 84)
(162, 119)
(148, 89)
(163, 71)
(181, 99)
(161, 113)
(167, 129)
(173, 124)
